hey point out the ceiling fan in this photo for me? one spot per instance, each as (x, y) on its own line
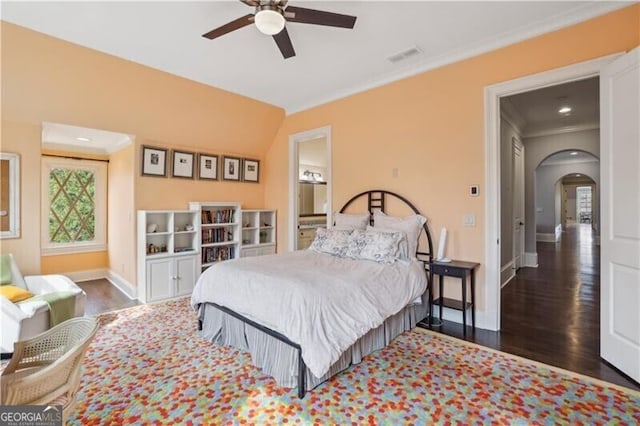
(270, 17)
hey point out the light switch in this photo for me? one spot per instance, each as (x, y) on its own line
(469, 219)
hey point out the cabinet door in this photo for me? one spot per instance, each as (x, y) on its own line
(262, 251)
(159, 279)
(249, 252)
(186, 275)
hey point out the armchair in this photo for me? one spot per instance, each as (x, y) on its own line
(20, 321)
(45, 370)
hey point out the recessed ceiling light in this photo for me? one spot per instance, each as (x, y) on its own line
(565, 110)
(574, 153)
(578, 175)
(82, 139)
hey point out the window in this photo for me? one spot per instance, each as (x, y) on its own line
(583, 203)
(74, 194)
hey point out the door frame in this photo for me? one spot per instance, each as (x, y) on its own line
(517, 247)
(294, 139)
(490, 317)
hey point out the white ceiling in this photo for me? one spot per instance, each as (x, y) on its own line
(536, 112)
(82, 139)
(330, 62)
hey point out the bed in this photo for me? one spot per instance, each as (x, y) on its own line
(305, 316)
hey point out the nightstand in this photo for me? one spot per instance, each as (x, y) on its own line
(466, 272)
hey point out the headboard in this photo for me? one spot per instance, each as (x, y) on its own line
(376, 201)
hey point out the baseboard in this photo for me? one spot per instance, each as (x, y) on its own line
(89, 274)
(507, 273)
(123, 285)
(530, 260)
(546, 237)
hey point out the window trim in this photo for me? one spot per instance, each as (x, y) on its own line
(100, 173)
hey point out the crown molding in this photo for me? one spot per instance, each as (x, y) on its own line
(572, 17)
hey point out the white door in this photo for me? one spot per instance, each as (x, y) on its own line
(518, 203)
(620, 213)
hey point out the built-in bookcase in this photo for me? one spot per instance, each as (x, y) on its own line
(167, 252)
(219, 237)
(258, 232)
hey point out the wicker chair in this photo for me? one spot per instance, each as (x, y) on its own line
(45, 370)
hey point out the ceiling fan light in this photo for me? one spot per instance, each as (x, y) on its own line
(269, 22)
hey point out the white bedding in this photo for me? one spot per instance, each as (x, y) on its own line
(322, 302)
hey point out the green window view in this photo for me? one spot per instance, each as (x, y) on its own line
(72, 212)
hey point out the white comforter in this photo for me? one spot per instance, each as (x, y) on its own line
(322, 302)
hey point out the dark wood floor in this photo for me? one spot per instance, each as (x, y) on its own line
(102, 296)
(550, 314)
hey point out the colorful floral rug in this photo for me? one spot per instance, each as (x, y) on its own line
(148, 365)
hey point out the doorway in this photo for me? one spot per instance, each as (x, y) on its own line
(310, 204)
(490, 317)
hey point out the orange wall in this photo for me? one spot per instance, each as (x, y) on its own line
(64, 263)
(120, 209)
(431, 127)
(47, 79)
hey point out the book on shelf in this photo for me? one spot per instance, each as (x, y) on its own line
(217, 216)
(217, 235)
(216, 254)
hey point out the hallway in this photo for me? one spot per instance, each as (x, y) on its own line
(551, 313)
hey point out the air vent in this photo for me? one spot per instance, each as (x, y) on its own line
(405, 54)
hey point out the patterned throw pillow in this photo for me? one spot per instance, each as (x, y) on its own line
(331, 241)
(383, 247)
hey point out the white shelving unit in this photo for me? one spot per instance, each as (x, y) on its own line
(219, 236)
(258, 232)
(167, 253)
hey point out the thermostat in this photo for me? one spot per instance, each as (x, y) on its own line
(474, 190)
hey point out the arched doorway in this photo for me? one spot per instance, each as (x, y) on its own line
(558, 201)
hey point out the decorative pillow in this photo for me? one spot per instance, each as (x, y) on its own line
(410, 225)
(15, 293)
(5, 269)
(381, 247)
(331, 241)
(403, 247)
(351, 221)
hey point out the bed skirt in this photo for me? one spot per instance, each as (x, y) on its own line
(280, 361)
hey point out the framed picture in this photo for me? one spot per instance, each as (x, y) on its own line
(154, 161)
(182, 164)
(231, 168)
(207, 166)
(250, 170)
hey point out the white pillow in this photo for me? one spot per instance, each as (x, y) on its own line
(331, 241)
(410, 225)
(351, 221)
(403, 247)
(380, 247)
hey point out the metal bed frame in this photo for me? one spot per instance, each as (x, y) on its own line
(375, 202)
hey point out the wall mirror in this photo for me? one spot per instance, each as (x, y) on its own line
(312, 198)
(9, 195)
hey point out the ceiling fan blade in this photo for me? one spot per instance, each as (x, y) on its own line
(319, 17)
(252, 3)
(284, 43)
(231, 26)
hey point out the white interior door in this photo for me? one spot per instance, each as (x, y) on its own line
(620, 213)
(518, 203)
